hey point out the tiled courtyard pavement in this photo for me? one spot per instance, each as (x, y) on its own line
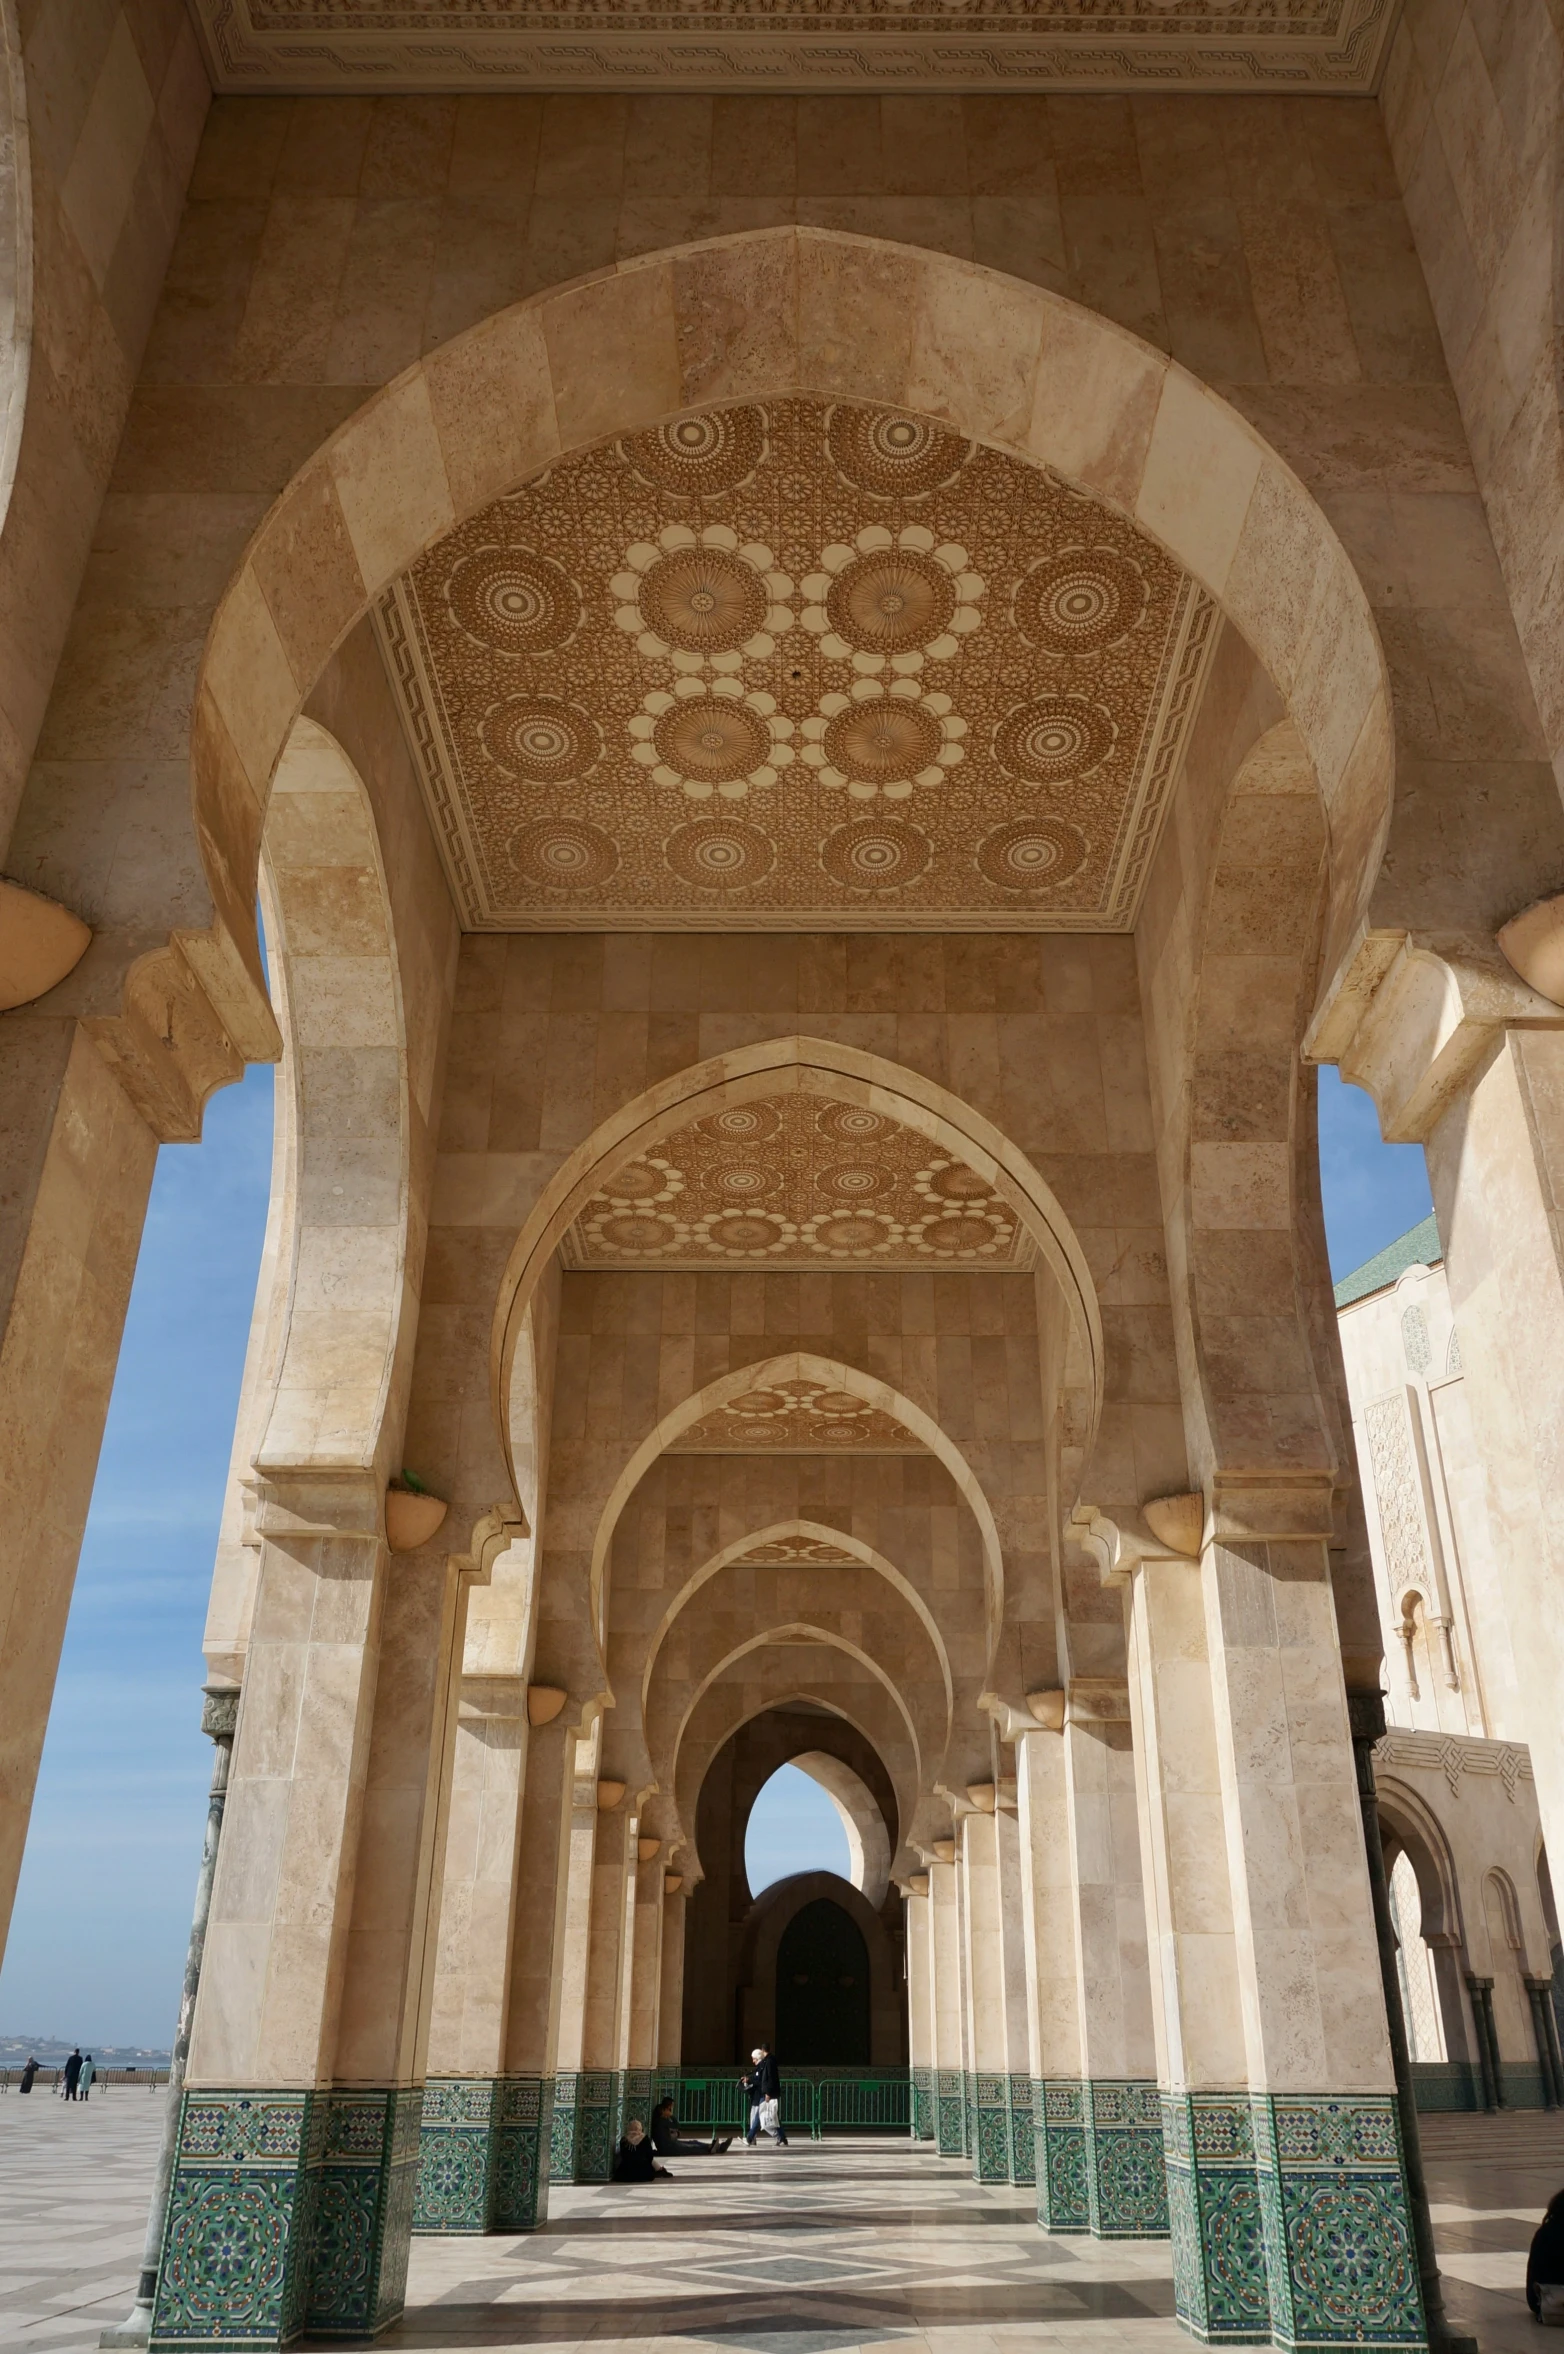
(811, 2250)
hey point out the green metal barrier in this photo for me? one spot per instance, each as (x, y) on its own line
(815, 2101)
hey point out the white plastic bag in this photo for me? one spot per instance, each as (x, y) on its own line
(770, 2115)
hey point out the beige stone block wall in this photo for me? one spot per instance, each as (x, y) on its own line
(1473, 97)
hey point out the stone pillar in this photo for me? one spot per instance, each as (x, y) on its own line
(1018, 2050)
(670, 2000)
(1323, 2108)
(643, 1983)
(920, 2007)
(524, 2132)
(466, 2092)
(76, 1164)
(583, 2095)
(988, 2053)
(1121, 2114)
(1053, 1995)
(950, 2092)
(604, 2020)
(298, 2143)
(1213, 2193)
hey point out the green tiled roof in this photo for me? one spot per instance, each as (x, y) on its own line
(1420, 1248)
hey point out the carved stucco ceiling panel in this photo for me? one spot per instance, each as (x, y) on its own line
(798, 1553)
(797, 1417)
(259, 45)
(796, 664)
(797, 1180)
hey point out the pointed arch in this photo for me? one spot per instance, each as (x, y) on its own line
(776, 1532)
(800, 1365)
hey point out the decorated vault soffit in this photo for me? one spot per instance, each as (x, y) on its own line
(796, 665)
(278, 45)
(797, 1553)
(797, 1417)
(797, 1180)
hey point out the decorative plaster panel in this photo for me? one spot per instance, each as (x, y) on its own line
(799, 664)
(798, 1553)
(255, 45)
(797, 1418)
(797, 1180)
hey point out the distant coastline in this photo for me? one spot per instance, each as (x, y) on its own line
(50, 2050)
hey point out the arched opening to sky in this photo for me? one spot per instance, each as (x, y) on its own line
(103, 1909)
(794, 1826)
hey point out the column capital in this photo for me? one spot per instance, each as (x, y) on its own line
(1410, 1017)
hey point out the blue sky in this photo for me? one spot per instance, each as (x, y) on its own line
(98, 1938)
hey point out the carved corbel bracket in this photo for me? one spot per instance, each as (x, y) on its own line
(502, 1526)
(1118, 1548)
(1410, 1019)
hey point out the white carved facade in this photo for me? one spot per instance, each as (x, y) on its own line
(1469, 1886)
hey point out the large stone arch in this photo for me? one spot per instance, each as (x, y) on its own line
(766, 1924)
(770, 313)
(773, 1066)
(863, 1822)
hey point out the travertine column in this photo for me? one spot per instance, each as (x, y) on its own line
(75, 1168)
(1322, 2088)
(945, 1941)
(536, 1978)
(1213, 2197)
(1053, 1995)
(604, 2019)
(983, 1942)
(920, 2006)
(1125, 2180)
(1018, 2043)
(304, 2084)
(644, 1985)
(670, 2003)
(577, 2092)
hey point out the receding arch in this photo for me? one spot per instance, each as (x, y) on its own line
(769, 1068)
(799, 1630)
(777, 1532)
(1006, 363)
(800, 1365)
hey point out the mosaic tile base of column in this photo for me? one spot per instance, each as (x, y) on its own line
(288, 2212)
(634, 2096)
(1338, 2242)
(989, 2110)
(950, 2112)
(1126, 2177)
(521, 2146)
(1219, 2273)
(456, 2154)
(363, 2211)
(1059, 2154)
(1018, 2095)
(582, 2142)
(923, 2098)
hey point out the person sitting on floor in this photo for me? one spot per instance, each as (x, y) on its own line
(1545, 2264)
(666, 2139)
(633, 2160)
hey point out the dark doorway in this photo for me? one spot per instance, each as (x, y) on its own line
(823, 1990)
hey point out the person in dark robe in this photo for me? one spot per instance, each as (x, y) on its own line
(668, 2143)
(634, 2160)
(1545, 2264)
(28, 2073)
(72, 2073)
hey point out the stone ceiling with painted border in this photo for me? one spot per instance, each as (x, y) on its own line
(799, 1417)
(792, 1181)
(303, 45)
(796, 665)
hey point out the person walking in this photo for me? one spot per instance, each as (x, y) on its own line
(87, 2078)
(72, 2073)
(763, 2090)
(28, 2073)
(668, 2142)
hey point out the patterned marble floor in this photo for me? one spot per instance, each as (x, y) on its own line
(811, 2250)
